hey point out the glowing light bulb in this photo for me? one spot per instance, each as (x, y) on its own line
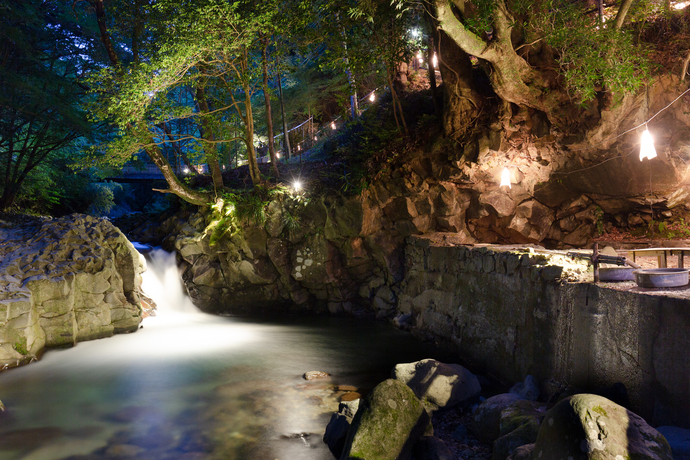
(333, 125)
(505, 178)
(297, 185)
(185, 170)
(299, 147)
(434, 60)
(372, 97)
(647, 149)
(415, 33)
(315, 138)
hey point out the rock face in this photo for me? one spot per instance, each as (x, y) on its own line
(63, 281)
(438, 384)
(388, 423)
(588, 426)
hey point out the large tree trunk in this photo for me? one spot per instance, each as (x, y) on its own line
(511, 76)
(269, 113)
(461, 101)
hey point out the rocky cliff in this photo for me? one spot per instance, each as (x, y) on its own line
(63, 281)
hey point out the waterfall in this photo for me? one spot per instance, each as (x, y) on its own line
(161, 281)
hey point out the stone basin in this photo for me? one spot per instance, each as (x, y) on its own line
(616, 274)
(661, 277)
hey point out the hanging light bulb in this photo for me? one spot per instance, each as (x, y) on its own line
(505, 177)
(372, 97)
(333, 125)
(647, 149)
(434, 60)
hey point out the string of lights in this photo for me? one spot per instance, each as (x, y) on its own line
(647, 149)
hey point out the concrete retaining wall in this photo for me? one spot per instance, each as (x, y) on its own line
(511, 313)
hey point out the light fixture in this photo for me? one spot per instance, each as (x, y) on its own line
(647, 149)
(333, 125)
(434, 60)
(299, 147)
(372, 97)
(415, 33)
(277, 155)
(505, 178)
(185, 170)
(315, 138)
(297, 185)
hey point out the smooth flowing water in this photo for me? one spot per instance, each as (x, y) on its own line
(195, 386)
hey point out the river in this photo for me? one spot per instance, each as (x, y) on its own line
(194, 386)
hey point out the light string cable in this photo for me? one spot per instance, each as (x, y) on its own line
(618, 136)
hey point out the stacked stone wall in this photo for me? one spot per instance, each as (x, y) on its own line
(515, 312)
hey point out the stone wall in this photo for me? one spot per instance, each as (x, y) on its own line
(63, 281)
(517, 312)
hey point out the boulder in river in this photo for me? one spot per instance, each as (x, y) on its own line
(388, 423)
(438, 384)
(63, 281)
(587, 426)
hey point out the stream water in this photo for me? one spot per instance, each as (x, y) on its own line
(196, 386)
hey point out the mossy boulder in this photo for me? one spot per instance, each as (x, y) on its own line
(587, 426)
(519, 425)
(388, 423)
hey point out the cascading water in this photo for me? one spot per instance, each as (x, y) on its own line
(192, 385)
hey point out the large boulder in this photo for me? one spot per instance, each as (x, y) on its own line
(63, 281)
(438, 384)
(388, 423)
(587, 426)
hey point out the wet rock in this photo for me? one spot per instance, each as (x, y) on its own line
(314, 375)
(387, 424)
(438, 384)
(592, 427)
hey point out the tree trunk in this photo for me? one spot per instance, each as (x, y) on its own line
(512, 77)
(269, 113)
(286, 138)
(622, 12)
(462, 102)
(249, 137)
(9, 194)
(397, 107)
(209, 147)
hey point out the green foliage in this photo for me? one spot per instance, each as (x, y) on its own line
(20, 346)
(668, 230)
(102, 197)
(591, 58)
(234, 209)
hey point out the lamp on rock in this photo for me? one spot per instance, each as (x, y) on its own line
(505, 177)
(647, 149)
